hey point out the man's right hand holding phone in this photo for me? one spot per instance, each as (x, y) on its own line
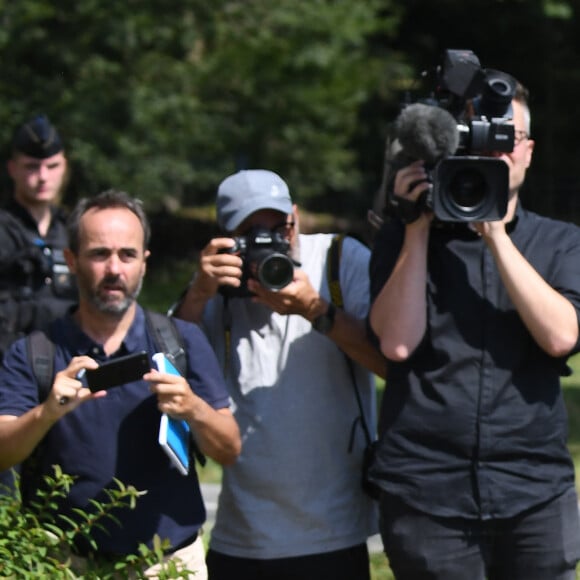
(68, 391)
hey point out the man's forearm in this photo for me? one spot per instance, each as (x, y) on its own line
(550, 318)
(398, 315)
(350, 335)
(216, 432)
(191, 305)
(19, 436)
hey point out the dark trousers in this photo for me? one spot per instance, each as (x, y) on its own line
(540, 544)
(349, 564)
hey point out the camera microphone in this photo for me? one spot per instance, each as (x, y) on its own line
(427, 132)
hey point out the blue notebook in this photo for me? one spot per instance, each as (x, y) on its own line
(174, 434)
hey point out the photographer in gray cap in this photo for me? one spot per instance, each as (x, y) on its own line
(292, 506)
(35, 283)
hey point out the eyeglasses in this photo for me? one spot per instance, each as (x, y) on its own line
(284, 228)
(519, 136)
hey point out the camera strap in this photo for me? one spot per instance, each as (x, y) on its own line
(333, 278)
(227, 314)
(406, 210)
(333, 270)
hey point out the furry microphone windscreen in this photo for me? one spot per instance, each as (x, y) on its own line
(427, 132)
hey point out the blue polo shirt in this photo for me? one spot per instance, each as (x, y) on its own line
(474, 424)
(116, 436)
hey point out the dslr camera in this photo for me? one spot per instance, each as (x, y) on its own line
(468, 118)
(265, 256)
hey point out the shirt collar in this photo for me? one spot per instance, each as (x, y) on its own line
(518, 216)
(81, 344)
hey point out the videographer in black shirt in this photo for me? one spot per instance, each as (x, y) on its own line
(477, 321)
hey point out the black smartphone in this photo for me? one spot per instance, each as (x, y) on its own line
(118, 371)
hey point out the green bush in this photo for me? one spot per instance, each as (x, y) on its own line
(36, 540)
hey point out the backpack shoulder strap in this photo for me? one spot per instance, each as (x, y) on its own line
(167, 338)
(41, 351)
(333, 276)
(333, 270)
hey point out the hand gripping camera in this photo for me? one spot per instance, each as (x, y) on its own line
(265, 256)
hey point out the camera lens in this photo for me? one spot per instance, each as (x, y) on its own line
(468, 189)
(275, 271)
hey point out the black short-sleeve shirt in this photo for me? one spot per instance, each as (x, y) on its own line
(473, 424)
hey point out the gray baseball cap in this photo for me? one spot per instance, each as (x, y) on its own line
(248, 191)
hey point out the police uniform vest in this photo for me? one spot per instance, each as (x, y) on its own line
(35, 283)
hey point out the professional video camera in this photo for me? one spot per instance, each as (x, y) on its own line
(454, 132)
(265, 258)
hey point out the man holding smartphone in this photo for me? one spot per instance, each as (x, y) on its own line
(106, 434)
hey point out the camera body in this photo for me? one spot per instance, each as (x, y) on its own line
(467, 183)
(265, 256)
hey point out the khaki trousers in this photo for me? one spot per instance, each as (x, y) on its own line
(191, 557)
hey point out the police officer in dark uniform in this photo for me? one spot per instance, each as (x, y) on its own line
(35, 283)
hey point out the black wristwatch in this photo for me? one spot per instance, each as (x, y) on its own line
(325, 322)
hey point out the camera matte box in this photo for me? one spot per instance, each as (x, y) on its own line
(470, 188)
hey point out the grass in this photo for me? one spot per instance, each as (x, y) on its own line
(571, 390)
(163, 286)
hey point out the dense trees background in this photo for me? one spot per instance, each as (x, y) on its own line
(164, 98)
(535, 40)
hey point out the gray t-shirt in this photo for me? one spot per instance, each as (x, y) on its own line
(295, 489)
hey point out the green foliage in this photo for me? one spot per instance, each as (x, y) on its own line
(287, 82)
(36, 540)
(165, 99)
(163, 286)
